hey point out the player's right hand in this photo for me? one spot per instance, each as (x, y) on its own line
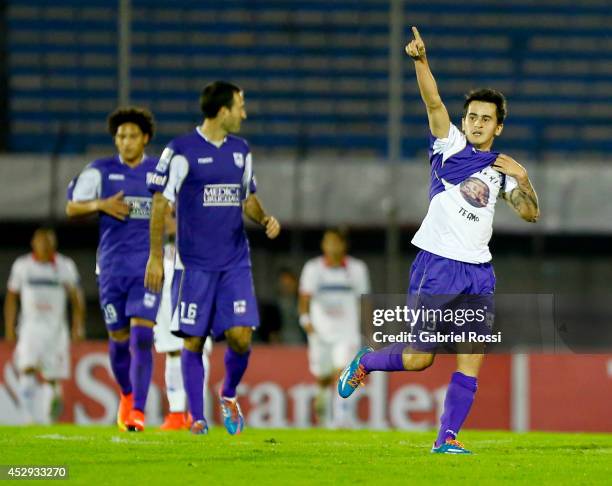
(115, 206)
(416, 48)
(154, 275)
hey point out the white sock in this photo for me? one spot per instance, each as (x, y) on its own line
(322, 406)
(344, 410)
(46, 395)
(206, 362)
(177, 399)
(28, 385)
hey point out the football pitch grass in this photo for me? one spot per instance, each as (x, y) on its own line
(102, 455)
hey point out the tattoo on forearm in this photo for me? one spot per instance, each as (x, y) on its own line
(525, 201)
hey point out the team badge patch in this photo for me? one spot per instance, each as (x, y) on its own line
(240, 306)
(239, 160)
(149, 300)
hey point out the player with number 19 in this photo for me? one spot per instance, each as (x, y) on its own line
(116, 189)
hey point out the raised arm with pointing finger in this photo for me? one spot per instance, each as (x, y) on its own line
(439, 121)
(467, 177)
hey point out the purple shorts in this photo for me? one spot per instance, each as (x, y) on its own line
(458, 297)
(122, 298)
(210, 303)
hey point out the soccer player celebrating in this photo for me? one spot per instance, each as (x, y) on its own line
(466, 179)
(116, 189)
(208, 174)
(169, 344)
(42, 281)
(330, 288)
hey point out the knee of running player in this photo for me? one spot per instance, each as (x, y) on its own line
(119, 335)
(417, 361)
(239, 339)
(195, 344)
(325, 380)
(138, 321)
(469, 364)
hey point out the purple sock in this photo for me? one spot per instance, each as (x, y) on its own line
(192, 367)
(141, 340)
(457, 404)
(119, 354)
(387, 359)
(235, 366)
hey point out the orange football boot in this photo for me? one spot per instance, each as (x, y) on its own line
(126, 403)
(135, 421)
(175, 421)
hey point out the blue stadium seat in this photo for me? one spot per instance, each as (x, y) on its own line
(315, 72)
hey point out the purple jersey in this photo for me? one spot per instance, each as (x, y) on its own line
(123, 248)
(207, 183)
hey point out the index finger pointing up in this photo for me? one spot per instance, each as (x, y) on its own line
(416, 34)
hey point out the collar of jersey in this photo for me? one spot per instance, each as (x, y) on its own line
(52, 261)
(208, 141)
(144, 156)
(328, 263)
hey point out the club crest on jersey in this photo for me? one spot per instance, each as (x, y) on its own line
(240, 306)
(239, 160)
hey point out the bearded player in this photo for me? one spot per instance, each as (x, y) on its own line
(208, 174)
(467, 177)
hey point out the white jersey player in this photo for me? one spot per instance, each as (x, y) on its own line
(330, 290)
(42, 281)
(171, 345)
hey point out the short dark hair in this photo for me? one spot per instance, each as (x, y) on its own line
(217, 95)
(489, 96)
(132, 114)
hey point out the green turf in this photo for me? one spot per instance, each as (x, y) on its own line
(100, 455)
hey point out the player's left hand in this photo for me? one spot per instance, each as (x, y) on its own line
(154, 274)
(416, 47)
(507, 165)
(272, 226)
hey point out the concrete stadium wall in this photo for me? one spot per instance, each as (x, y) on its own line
(573, 196)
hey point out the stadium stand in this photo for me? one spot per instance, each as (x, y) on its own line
(315, 72)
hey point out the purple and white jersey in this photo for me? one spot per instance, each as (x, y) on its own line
(123, 248)
(462, 196)
(207, 182)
